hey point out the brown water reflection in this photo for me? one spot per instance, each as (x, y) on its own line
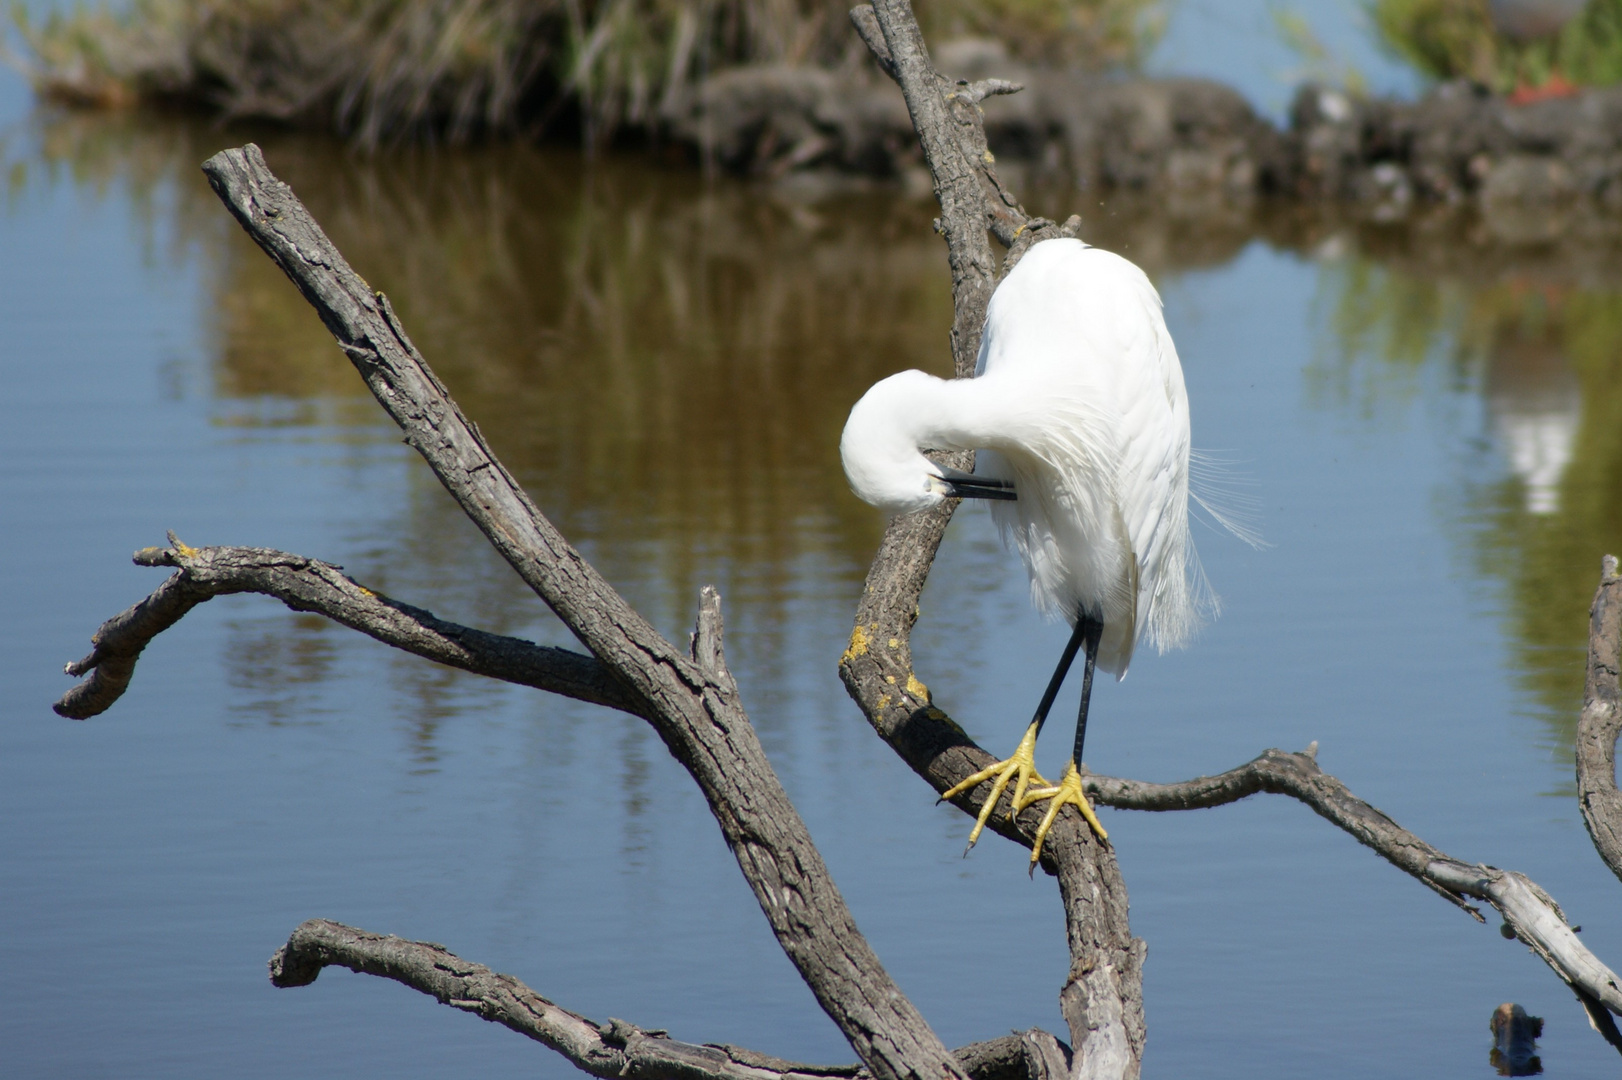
(666, 361)
(638, 351)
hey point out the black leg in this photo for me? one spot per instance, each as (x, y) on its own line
(1067, 658)
(1020, 767)
(1093, 630)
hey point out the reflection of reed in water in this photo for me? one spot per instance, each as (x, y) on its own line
(1544, 347)
(666, 364)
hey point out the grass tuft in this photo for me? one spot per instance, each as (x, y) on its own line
(387, 70)
(1454, 39)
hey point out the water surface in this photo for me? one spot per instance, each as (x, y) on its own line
(1424, 415)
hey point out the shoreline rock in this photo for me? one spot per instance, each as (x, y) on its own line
(1187, 137)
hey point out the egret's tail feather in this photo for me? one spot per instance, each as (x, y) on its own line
(1219, 490)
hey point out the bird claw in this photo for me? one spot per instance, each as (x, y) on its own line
(1067, 790)
(1019, 767)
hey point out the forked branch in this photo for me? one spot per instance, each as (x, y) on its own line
(687, 697)
(694, 704)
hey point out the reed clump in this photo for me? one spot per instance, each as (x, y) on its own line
(385, 70)
(1457, 39)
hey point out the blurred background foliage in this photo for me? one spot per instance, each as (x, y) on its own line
(377, 70)
(1506, 44)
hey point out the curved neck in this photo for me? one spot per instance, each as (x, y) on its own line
(956, 414)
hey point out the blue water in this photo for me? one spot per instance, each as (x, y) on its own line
(265, 767)
(1241, 43)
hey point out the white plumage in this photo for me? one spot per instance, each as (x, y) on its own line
(1078, 399)
(1078, 403)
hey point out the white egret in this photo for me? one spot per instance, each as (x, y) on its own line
(1079, 413)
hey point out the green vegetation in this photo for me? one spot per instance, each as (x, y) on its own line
(379, 70)
(1452, 39)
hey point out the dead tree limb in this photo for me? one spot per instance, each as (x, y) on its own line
(1529, 912)
(694, 706)
(305, 584)
(1601, 721)
(1102, 1000)
(692, 700)
(613, 1050)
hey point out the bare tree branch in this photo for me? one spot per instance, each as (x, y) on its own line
(693, 701)
(1102, 999)
(1529, 912)
(956, 170)
(305, 584)
(1298, 776)
(1601, 720)
(872, 35)
(613, 1050)
(695, 709)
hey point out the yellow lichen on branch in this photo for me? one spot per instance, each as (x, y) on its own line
(858, 644)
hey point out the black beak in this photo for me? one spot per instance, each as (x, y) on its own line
(962, 485)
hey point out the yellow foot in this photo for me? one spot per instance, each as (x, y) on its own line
(1021, 765)
(1069, 790)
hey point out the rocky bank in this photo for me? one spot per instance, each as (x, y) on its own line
(1191, 137)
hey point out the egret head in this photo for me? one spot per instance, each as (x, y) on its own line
(881, 448)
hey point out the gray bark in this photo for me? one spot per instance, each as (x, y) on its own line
(695, 707)
(1601, 721)
(305, 584)
(612, 1050)
(693, 702)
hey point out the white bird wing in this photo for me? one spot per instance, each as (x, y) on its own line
(1079, 349)
(1152, 487)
